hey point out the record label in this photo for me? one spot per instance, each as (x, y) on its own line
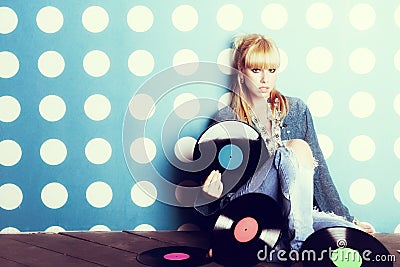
(176, 256)
(246, 229)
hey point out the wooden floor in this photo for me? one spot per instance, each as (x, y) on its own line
(111, 248)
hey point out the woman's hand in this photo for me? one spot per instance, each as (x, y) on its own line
(213, 185)
(366, 227)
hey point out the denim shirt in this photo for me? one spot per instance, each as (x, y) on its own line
(298, 124)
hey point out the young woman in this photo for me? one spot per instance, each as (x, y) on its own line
(296, 173)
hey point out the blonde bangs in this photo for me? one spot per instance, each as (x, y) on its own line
(262, 56)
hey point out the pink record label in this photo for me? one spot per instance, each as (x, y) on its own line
(246, 229)
(176, 256)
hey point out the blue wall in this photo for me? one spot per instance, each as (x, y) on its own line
(74, 81)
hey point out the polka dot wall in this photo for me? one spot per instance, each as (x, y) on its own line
(71, 76)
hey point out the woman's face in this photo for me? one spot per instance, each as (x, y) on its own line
(259, 82)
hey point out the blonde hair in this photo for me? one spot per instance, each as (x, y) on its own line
(255, 51)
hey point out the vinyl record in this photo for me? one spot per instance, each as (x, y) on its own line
(234, 148)
(248, 225)
(343, 246)
(174, 256)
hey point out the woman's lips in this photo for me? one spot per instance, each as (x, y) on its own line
(263, 89)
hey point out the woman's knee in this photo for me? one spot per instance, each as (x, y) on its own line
(302, 151)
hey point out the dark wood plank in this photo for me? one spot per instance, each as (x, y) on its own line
(81, 249)
(31, 255)
(181, 238)
(392, 243)
(119, 240)
(9, 263)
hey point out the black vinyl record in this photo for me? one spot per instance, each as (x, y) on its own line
(248, 225)
(234, 148)
(344, 246)
(174, 256)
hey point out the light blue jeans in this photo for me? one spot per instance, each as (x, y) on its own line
(291, 185)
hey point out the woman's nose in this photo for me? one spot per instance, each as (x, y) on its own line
(262, 78)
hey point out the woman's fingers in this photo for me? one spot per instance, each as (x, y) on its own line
(210, 178)
(213, 185)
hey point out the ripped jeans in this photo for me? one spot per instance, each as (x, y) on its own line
(291, 185)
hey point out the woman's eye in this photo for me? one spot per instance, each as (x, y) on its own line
(255, 70)
(272, 70)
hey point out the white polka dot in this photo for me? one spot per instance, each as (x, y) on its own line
(9, 109)
(184, 148)
(396, 104)
(184, 196)
(224, 100)
(396, 147)
(100, 228)
(362, 148)
(397, 229)
(10, 196)
(9, 64)
(185, 56)
(396, 60)
(274, 16)
(95, 19)
(140, 18)
(225, 60)
(326, 145)
(362, 104)
(54, 195)
(142, 106)
(8, 20)
(284, 60)
(229, 17)
(10, 230)
(53, 151)
(98, 151)
(320, 103)
(143, 150)
(99, 194)
(319, 60)
(52, 108)
(96, 63)
(362, 191)
(97, 107)
(188, 227)
(362, 17)
(54, 229)
(141, 63)
(397, 16)
(186, 106)
(51, 64)
(362, 60)
(144, 227)
(185, 18)
(11, 153)
(49, 19)
(396, 191)
(319, 16)
(144, 194)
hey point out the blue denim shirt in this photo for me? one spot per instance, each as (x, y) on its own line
(298, 124)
